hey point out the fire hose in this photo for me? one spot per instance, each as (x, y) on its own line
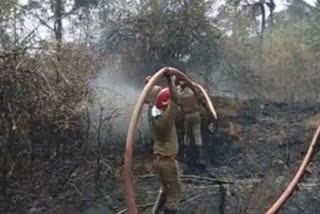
(127, 172)
(297, 177)
(199, 91)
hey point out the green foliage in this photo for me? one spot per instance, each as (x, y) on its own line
(290, 55)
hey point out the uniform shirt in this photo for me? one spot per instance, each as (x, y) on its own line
(189, 102)
(164, 129)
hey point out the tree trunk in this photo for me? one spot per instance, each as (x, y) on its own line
(58, 10)
(263, 17)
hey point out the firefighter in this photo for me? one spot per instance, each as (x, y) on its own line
(191, 110)
(179, 117)
(163, 112)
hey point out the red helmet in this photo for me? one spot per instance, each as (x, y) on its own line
(162, 99)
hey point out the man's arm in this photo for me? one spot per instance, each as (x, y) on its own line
(173, 90)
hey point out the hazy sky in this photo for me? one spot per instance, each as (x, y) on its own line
(281, 4)
(43, 31)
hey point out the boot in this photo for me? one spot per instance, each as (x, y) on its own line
(170, 211)
(158, 206)
(202, 162)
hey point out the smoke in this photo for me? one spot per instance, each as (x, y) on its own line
(113, 91)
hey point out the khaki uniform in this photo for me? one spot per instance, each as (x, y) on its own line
(191, 109)
(192, 118)
(165, 150)
(166, 141)
(192, 122)
(168, 170)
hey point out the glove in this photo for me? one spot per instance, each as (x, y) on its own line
(211, 128)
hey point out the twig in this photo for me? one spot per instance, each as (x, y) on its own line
(206, 178)
(112, 115)
(88, 129)
(66, 180)
(151, 204)
(61, 74)
(43, 22)
(76, 188)
(191, 199)
(29, 35)
(14, 127)
(107, 166)
(192, 177)
(98, 167)
(207, 186)
(47, 82)
(147, 176)
(18, 66)
(139, 206)
(12, 168)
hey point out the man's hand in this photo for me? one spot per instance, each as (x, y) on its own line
(173, 79)
(181, 83)
(170, 78)
(166, 72)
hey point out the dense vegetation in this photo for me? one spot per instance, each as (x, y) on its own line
(50, 51)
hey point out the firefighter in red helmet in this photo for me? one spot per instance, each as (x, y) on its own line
(163, 112)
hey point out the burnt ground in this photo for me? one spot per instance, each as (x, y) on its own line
(258, 147)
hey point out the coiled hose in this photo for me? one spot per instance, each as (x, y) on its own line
(127, 172)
